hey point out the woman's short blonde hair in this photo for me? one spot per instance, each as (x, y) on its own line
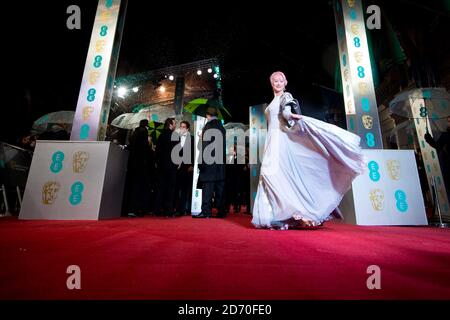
(278, 73)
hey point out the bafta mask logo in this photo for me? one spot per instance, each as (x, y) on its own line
(351, 3)
(87, 113)
(50, 192)
(362, 88)
(350, 107)
(346, 74)
(355, 29)
(80, 160)
(377, 199)
(101, 133)
(93, 77)
(435, 167)
(393, 168)
(367, 121)
(105, 16)
(100, 46)
(359, 56)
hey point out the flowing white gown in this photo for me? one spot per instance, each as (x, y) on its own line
(305, 172)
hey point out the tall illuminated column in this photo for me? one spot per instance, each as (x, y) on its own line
(356, 72)
(257, 138)
(94, 100)
(196, 200)
(388, 192)
(422, 110)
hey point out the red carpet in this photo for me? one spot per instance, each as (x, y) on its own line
(185, 258)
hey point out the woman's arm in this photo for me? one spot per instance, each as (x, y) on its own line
(288, 115)
(286, 107)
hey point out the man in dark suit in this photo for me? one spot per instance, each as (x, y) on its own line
(185, 170)
(139, 171)
(167, 169)
(212, 168)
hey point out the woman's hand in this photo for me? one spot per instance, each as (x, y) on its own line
(296, 116)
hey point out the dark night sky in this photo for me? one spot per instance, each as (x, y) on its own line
(250, 46)
(160, 34)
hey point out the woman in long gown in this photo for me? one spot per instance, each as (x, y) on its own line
(308, 166)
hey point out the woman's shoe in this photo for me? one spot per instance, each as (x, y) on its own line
(308, 225)
(201, 215)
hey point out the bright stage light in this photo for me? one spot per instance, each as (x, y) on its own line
(199, 72)
(135, 89)
(171, 78)
(162, 89)
(209, 70)
(215, 75)
(122, 91)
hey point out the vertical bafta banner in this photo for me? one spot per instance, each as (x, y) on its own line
(356, 72)
(257, 137)
(420, 110)
(94, 99)
(196, 203)
(347, 89)
(389, 193)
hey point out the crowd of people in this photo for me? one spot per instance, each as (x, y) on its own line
(160, 173)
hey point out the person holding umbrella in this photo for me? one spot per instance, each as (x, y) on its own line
(212, 167)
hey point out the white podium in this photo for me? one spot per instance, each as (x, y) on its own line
(388, 193)
(75, 180)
